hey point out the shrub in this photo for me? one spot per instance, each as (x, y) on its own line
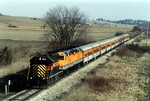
(101, 84)
(5, 56)
(132, 50)
(13, 54)
(136, 28)
(12, 26)
(123, 51)
(92, 72)
(119, 33)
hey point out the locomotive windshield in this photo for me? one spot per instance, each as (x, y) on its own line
(41, 60)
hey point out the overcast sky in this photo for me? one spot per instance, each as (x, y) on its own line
(108, 9)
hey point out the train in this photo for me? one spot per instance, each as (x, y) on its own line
(51, 66)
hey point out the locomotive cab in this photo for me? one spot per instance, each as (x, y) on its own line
(38, 68)
(42, 68)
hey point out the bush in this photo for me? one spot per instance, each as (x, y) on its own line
(132, 50)
(119, 33)
(5, 56)
(102, 84)
(136, 28)
(123, 51)
(13, 54)
(12, 26)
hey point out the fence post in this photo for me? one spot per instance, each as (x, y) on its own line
(6, 90)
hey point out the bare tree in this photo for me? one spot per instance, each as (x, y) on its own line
(64, 25)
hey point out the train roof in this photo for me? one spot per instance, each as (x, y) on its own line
(71, 50)
(110, 39)
(85, 47)
(95, 44)
(126, 34)
(41, 59)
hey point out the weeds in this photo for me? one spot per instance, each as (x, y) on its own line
(5, 56)
(92, 72)
(13, 54)
(123, 51)
(132, 51)
(102, 84)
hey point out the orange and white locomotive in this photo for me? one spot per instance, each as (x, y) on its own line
(49, 67)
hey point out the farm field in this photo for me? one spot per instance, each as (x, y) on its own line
(30, 33)
(29, 29)
(24, 35)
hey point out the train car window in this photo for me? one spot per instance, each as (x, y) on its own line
(61, 57)
(55, 57)
(102, 47)
(89, 53)
(96, 50)
(72, 51)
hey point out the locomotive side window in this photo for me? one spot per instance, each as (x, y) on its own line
(95, 50)
(89, 53)
(61, 57)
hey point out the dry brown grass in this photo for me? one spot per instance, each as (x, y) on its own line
(117, 80)
(24, 35)
(132, 50)
(123, 51)
(102, 84)
(29, 29)
(13, 54)
(20, 57)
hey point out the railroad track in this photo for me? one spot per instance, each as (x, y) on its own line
(132, 39)
(23, 95)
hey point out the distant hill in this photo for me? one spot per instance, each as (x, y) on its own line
(132, 22)
(126, 21)
(1, 14)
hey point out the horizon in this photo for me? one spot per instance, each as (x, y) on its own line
(87, 19)
(124, 9)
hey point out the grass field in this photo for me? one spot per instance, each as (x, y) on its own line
(29, 32)
(24, 35)
(19, 21)
(30, 29)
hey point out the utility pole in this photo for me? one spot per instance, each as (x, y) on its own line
(147, 33)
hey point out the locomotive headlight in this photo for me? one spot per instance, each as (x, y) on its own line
(31, 78)
(43, 58)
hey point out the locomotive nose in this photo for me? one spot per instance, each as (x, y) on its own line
(38, 70)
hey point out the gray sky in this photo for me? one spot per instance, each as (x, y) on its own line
(108, 9)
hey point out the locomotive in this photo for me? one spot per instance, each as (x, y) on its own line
(50, 67)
